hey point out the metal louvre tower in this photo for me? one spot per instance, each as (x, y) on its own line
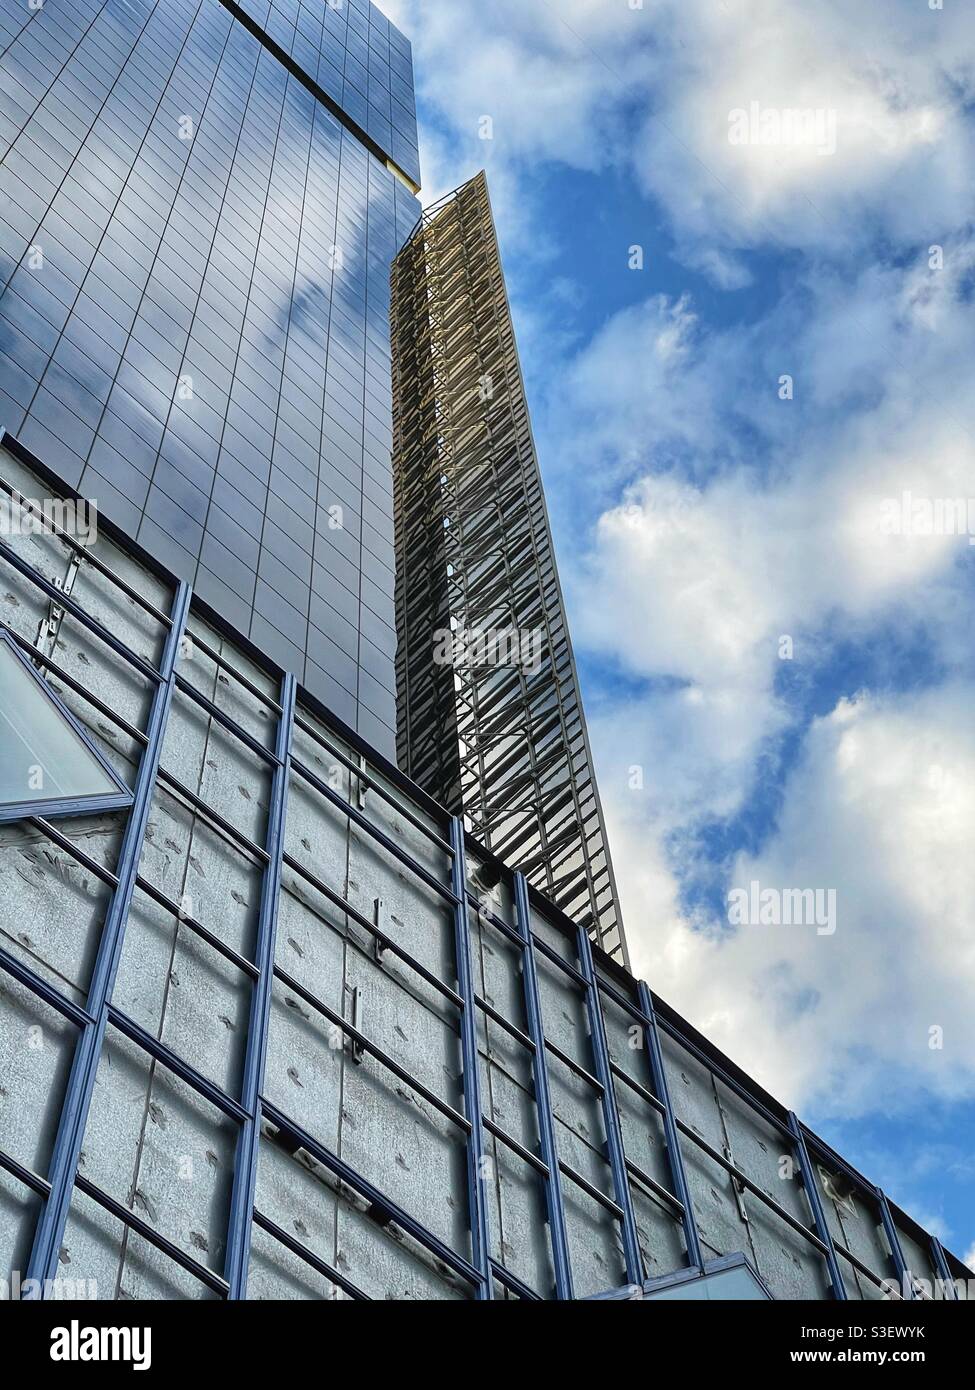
(504, 741)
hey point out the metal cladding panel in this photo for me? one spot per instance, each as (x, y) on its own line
(194, 310)
(279, 1030)
(494, 727)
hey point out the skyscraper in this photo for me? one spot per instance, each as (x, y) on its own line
(200, 204)
(490, 712)
(263, 1034)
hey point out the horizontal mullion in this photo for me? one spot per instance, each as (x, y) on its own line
(308, 1256)
(386, 942)
(69, 847)
(488, 916)
(645, 1095)
(220, 822)
(25, 1175)
(591, 1189)
(575, 1067)
(735, 1086)
(552, 954)
(186, 688)
(74, 684)
(95, 561)
(516, 1146)
(225, 665)
(39, 986)
(513, 1284)
(510, 1028)
(135, 1223)
(65, 601)
(234, 957)
(372, 1194)
(863, 1269)
(174, 1063)
(367, 1045)
(655, 1187)
(738, 1175)
(363, 822)
(370, 784)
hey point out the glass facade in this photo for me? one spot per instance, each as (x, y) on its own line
(194, 302)
(357, 58)
(265, 1034)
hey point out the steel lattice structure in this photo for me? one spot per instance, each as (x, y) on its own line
(506, 744)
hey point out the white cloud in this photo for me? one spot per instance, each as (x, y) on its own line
(881, 809)
(591, 85)
(711, 555)
(714, 517)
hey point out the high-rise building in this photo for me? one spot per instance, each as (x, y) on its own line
(263, 1031)
(490, 713)
(200, 204)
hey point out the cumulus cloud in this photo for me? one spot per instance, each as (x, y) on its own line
(880, 810)
(710, 517)
(651, 90)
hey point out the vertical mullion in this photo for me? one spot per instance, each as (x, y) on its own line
(903, 1273)
(476, 1169)
(74, 1114)
(245, 1166)
(543, 1098)
(816, 1206)
(661, 1089)
(611, 1119)
(941, 1265)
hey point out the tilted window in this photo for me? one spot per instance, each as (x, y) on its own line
(48, 764)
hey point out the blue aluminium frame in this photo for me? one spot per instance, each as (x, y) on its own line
(245, 1167)
(811, 1188)
(53, 807)
(477, 1161)
(676, 1159)
(543, 1098)
(81, 1084)
(614, 1137)
(481, 1271)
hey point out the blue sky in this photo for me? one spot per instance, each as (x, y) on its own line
(704, 511)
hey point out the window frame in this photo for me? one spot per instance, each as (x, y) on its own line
(55, 807)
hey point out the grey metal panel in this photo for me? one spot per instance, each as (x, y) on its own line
(595, 1245)
(119, 1263)
(791, 1267)
(692, 1091)
(394, 1138)
(184, 992)
(192, 863)
(19, 1209)
(517, 1218)
(305, 1066)
(414, 915)
(37, 1045)
(61, 905)
(156, 1146)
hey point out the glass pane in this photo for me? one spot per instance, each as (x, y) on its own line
(44, 758)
